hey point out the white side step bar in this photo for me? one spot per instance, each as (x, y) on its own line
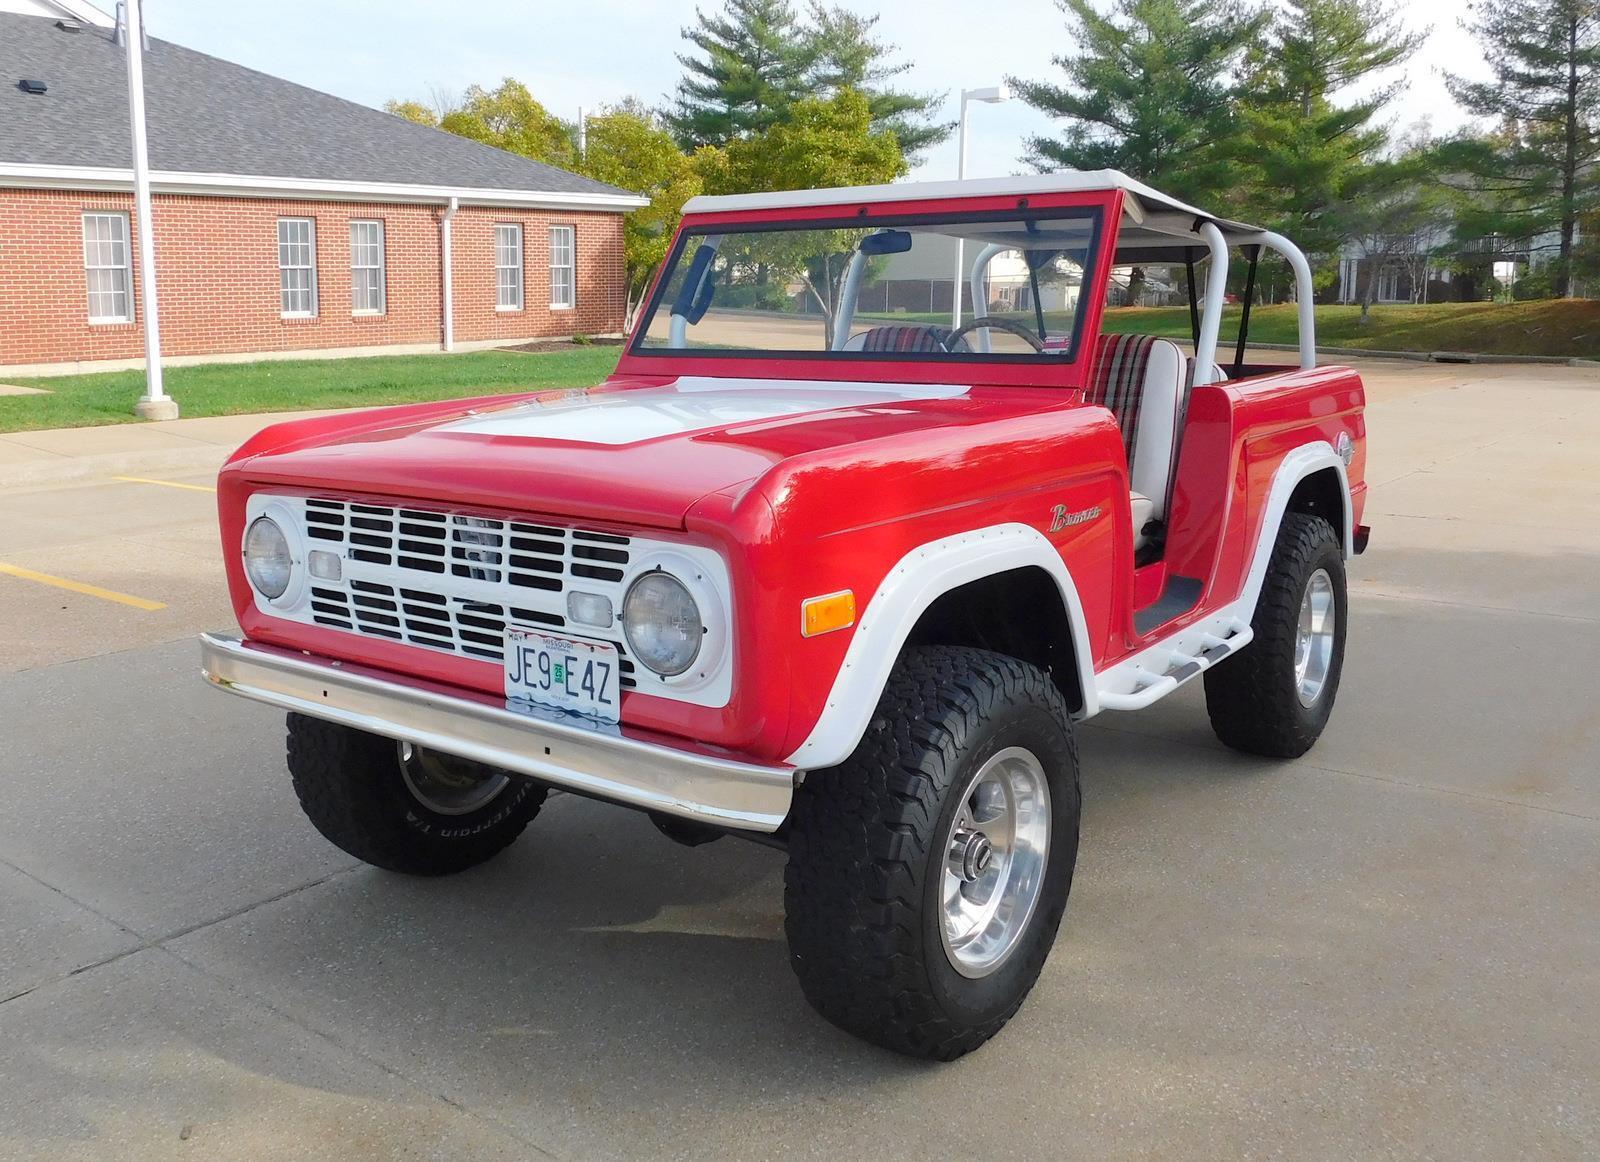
(1157, 671)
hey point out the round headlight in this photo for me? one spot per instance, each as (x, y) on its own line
(267, 560)
(662, 623)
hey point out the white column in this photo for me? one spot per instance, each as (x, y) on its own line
(155, 404)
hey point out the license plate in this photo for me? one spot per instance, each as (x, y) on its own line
(569, 674)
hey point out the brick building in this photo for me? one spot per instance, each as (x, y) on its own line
(286, 220)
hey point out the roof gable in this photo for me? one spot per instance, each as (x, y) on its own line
(209, 116)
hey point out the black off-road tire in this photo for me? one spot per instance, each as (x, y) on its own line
(863, 887)
(1253, 698)
(350, 786)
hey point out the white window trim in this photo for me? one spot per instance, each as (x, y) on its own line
(571, 268)
(126, 267)
(382, 268)
(521, 267)
(311, 236)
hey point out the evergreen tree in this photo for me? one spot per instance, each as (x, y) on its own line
(1306, 153)
(1148, 89)
(1539, 172)
(844, 54)
(746, 68)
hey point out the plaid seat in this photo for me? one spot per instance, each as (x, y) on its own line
(1120, 379)
(904, 337)
(1116, 380)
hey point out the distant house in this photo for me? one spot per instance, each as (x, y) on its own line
(1433, 267)
(285, 219)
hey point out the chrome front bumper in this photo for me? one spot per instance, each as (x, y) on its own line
(655, 776)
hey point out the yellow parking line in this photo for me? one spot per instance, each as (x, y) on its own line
(80, 587)
(165, 483)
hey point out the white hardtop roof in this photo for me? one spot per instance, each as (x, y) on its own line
(1154, 220)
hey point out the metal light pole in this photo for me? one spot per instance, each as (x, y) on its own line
(155, 404)
(989, 95)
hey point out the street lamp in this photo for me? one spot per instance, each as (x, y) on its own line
(989, 95)
(155, 404)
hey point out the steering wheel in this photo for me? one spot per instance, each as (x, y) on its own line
(984, 321)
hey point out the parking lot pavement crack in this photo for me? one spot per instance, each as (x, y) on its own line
(141, 941)
(1393, 595)
(244, 909)
(1391, 780)
(71, 899)
(19, 994)
(1457, 792)
(251, 998)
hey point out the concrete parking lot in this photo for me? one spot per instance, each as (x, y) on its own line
(1388, 948)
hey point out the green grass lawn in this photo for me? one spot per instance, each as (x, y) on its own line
(222, 389)
(1567, 328)
(1570, 328)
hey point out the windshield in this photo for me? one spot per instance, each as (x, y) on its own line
(843, 291)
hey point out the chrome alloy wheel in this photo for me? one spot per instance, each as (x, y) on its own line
(1313, 639)
(994, 861)
(447, 785)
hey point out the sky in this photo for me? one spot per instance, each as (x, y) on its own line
(600, 51)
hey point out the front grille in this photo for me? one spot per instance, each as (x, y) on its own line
(452, 581)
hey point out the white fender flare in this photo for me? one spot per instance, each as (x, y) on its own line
(922, 576)
(1295, 467)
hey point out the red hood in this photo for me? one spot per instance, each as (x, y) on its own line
(623, 452)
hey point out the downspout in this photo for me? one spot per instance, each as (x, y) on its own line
(447, 279)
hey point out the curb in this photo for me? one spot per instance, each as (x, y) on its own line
(1437, 356)
(48, 473)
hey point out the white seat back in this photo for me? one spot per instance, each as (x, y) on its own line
(1142, 381)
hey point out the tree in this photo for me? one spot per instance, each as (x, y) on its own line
(1586, 254)
(745, 69)
(627, 148)
(1147, 90)
(1306, 152)
(823, 143)
(414, 111)
(1403, 223)
(1541, 167)
(507, 118)
(842, 53)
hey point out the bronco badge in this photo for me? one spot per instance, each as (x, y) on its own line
(1060, 518)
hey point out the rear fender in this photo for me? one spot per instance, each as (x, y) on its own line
(1296, 466)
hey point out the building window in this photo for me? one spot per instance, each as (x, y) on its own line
(562, 273)
(508, 266)
(105, 265)
(297, 267)
(366, 268)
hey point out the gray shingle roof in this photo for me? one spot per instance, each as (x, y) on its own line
(205, 115)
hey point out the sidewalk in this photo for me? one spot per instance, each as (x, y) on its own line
(51, 457)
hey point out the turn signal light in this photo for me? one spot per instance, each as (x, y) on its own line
(827, 613)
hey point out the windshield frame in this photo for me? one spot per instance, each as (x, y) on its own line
(1096, 208)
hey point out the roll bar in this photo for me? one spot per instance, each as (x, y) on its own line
(1304, 292)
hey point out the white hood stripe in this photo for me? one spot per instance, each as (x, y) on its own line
(690, 404)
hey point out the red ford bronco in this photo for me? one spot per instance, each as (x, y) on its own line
(823, 565)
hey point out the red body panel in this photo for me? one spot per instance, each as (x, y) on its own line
(813, 503)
